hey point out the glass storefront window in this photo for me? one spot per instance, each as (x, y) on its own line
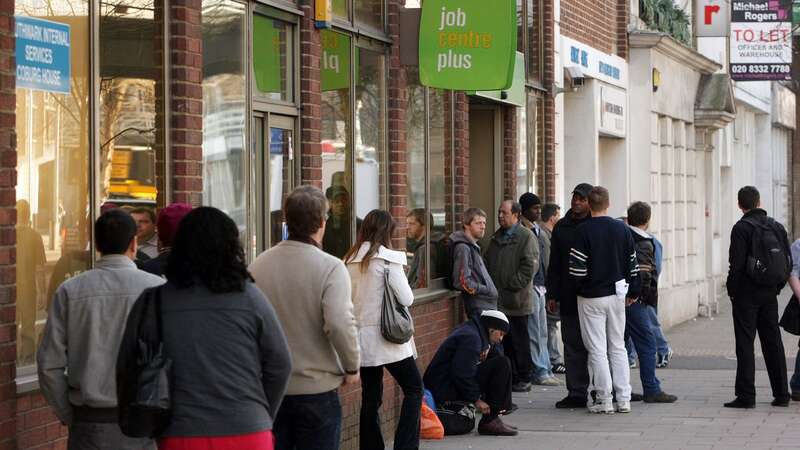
(535, 42)
(370, 130)
(336, 141)
(224, 106)
(53, 213)
(437, 162)
(370, 13)
(415, 156)
(341, 9)
(523, 158)
(273, 64)
(129, 74)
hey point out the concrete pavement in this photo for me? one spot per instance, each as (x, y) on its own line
(701, 375)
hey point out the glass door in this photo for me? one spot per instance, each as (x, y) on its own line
(273, 137)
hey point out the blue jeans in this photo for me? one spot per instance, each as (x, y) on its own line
(309, 422)
(639, 326)
(794, 383)
(632, 356)
(662, 346)
(537, 330)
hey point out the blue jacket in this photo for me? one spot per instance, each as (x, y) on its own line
(451, 374)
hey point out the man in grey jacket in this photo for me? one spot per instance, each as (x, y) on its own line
(470, 275)
(78, 352)
(512, 259)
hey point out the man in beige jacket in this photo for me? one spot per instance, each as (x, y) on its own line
(310, 291)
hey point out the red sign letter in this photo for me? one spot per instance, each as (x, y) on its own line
(709, 13)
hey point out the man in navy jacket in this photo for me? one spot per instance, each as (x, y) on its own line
(463, 370)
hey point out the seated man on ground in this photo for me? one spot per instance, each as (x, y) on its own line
(463, 370)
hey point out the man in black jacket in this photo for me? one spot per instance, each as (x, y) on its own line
(562, 297)
(755, 307)
(463, 370)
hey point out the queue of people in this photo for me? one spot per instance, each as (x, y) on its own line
(257, 353)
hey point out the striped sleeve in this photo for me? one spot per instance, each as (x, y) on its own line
(633, 265)
(578, 263)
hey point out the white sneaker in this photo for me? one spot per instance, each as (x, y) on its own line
(549, 381)
(623, 407)
(602, 408)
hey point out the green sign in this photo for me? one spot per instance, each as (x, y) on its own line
(266, 54)
(514, 95)
(335, 64)
(467, 44)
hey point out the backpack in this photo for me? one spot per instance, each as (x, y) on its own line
(768, 262)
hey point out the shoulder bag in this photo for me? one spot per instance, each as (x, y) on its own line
(397, 326)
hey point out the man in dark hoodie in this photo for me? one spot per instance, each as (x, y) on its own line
(463, 370)
(755, 305)
(470, 275)
(562, 296)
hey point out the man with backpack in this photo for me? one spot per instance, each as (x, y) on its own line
(760, 262)
(468, 273)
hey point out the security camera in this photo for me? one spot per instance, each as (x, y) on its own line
(574, 76)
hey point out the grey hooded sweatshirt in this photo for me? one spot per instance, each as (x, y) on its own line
(470, 275)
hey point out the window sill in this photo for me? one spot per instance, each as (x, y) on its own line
(425, 296)
(27, 383)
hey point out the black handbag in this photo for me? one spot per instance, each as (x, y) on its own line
(150, 410)
(397, 326)
(790, 320)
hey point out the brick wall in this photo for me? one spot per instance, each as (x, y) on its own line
(8, 218)
(310, 99)
(186, 133)
(546, 128)
(37, 425)
(597, 23)
(510, 153)
(396, 107)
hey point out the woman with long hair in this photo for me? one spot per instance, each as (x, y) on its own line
(367, 261)
(230, 359)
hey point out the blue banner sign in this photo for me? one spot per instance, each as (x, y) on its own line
(43, 55)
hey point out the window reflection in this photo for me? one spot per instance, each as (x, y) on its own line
(523, 158)
(439, 152)
(52, 129)
(369, 132)
(128, 77)
(369, 12)
(272, 58)
(224, 108)
(415, 147)
(280, 178)
(336, 131)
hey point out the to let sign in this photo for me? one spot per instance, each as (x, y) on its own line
(761, 40)
(43, 55)
(467, 44)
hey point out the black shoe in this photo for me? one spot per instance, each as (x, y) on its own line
(796, 396)
(559, 368)
(521, 386)
(740, 404)
(496, 427)
(636, 397)
(661, 397)
(783, 402)
(570, 402)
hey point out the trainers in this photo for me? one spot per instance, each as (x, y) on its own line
(521, 386)
(570, 402)
(623, 407)
(496, 427)
(559, 368)
(661, 397)
(548, 381)
(602, 407)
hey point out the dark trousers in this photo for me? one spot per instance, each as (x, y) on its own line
(406, 436)
(640, 328)
(309, 422)
(751, 315)
(494, 378)
(94, 435)
(517, 346)
(576, 358)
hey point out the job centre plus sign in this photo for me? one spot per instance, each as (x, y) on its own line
(465, 45)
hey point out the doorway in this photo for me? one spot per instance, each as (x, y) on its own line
(485, 162)
(273, 141)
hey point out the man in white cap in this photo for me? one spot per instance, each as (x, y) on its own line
(464, 371)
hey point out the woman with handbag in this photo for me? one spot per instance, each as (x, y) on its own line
(230, 361)
(377, 276)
